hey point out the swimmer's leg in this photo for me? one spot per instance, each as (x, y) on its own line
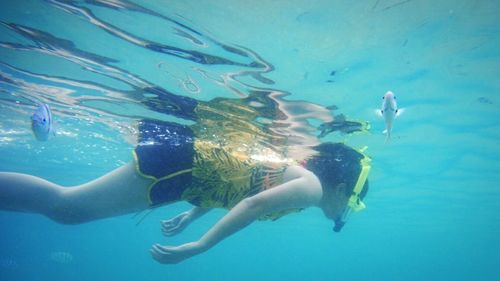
(121, 191)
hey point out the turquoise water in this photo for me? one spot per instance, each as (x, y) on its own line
(433, 210)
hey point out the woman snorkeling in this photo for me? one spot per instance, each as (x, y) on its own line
(213, 163)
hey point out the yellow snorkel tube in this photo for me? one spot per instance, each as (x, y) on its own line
(354, 203)
(355, 200)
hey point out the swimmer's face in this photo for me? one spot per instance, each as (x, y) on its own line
(334, 202)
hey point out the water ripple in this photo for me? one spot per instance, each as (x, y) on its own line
(105, 89)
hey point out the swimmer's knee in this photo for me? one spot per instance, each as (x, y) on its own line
(68, 219)
(66, 211)
(67, 215)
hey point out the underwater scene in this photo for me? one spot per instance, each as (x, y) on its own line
(122, 122)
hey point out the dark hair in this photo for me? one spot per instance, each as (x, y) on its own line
(337, 163)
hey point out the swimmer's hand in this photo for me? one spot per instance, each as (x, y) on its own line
(175, 254)
(176, 224)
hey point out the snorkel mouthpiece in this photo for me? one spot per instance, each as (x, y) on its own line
(338, 225)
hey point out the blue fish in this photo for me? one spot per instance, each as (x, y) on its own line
(42, 123)
(8, 263)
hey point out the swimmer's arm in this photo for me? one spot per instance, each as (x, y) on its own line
(197, 212)
(300, 192)
(178, 223)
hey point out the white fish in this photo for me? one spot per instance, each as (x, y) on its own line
(61, 257)
(389, 111)
(42, 124)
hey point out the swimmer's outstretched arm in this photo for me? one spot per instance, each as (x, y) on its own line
(178, 223)
(301, 192)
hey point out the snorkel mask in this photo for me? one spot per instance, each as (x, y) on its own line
(354, 204)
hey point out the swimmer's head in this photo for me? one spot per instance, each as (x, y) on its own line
(338, 168)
